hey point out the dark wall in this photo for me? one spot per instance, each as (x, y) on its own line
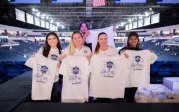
(8, 17)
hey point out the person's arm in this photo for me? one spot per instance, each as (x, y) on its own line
(64, 54)
(33, 54)
(122, 51)
(151, 50)
(88, 54)
(126, 55)
(39, 51)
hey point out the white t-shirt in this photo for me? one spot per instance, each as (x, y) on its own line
(43, 76)
(93, 36)
(139, 62)
(75, 71)
(111, 51)
(83, 52)
(108, 76)
(54, 55)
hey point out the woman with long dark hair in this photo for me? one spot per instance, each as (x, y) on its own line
(104, 50)
(84, 30)
(102, 47)
(52, 50)
(132, 44)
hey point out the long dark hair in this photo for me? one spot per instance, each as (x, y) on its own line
(83, 22)
(129, 36)
(46, 48)
(97, 46)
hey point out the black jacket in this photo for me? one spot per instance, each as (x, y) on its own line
(129, 48)
(88, 45)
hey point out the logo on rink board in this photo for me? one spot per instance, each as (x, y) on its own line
(108, 70)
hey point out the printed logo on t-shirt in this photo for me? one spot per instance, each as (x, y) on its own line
(137, 63)
(108, 71)
(54, 56)
(85, 51)
(44, 69)
(75, 78)
(42, 74)
(137, 58)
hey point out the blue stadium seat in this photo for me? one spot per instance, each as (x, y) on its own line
(4, 63)
(3, 77)
(165, 69)
(22, 67)
(173, 70)
(177, 68)
(10, 69)
(0, 67)
(155, 66)
(154, 77)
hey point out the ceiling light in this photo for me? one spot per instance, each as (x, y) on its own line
(33, 9)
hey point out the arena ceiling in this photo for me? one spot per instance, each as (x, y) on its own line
(72, 14)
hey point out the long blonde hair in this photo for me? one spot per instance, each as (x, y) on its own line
(72, 47)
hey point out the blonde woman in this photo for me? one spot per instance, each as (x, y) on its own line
(76, 47)
(75, 70)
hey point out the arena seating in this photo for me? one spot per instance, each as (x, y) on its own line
(166, 64)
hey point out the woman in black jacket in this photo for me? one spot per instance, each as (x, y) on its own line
(132, 44)
(84, 30)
